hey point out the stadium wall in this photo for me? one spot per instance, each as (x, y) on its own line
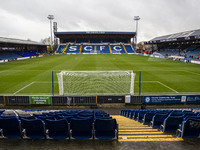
(94, 100)
(1, 100)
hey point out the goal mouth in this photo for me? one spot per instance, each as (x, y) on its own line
(96, 82)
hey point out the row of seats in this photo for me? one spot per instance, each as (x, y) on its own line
(193, 54)
(186, 123)
(8, 55)
(24, 53)
(190, 53)
(91, 49)
(60, 125)
(17, 54)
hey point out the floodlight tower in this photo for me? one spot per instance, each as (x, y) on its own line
(50, 17)
(136, 18)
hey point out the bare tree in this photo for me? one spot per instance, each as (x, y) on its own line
(46, 41)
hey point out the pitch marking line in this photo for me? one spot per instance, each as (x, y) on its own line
(167, 86)
(45, 82)
(147, 81)
(57, 82)
(23, 88)
(31, 84)
(161, 84)
(192, 72)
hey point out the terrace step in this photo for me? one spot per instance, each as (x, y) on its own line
(131, 130)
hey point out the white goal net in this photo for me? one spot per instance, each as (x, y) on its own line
(96, 82)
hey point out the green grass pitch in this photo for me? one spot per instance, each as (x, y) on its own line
(159, 76)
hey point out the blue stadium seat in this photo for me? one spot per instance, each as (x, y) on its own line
(73, 49)
(27, 117)
(108, 117)
(117, 49)
(68, 118)
(103, 49)
(191, 117)
(106, 129)
(86, 117)
(1, 112)
(11, 127)
(158, 119)
(57, 129)
(171, 123)
(129, 49)
(176, 113)
(81, 128)
(189, 128)
(102, 115)
(88, 49)
(7, 117)
(186, 116)
(44, 118)
(127, 113)
(140, 115)
(24, 53)
(38, 115)
(148, 118)
(130, 114)
(135, 114)
(34, 128)
(61, 48)
(122, 112)
(8, 55)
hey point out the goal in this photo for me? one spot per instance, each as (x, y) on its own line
(96, 82)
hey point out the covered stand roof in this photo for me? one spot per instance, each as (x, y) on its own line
(4, 40)
(95, 35)
(182, 36)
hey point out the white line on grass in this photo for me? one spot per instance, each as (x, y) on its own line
(148, 81)
(33, 83)
(56, 82)
(161, 84)
(23, 88)
(167, 86)
(192, 72)
(2, 71)
(45, 82)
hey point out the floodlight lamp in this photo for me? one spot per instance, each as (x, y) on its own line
(136, 18)
(51, 17)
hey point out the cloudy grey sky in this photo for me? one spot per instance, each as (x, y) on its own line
(25, 19)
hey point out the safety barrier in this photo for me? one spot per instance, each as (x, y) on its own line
(73, 100)
(110, 99)
(17, 100)
(80, 100)
(137, 100)
(1, 100)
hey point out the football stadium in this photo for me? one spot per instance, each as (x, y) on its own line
(100, 90)
(153, 97)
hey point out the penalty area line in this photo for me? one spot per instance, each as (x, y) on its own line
(23, 88)
(167, 86)
(161, 84)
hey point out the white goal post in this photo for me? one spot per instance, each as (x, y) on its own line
(96, 82)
